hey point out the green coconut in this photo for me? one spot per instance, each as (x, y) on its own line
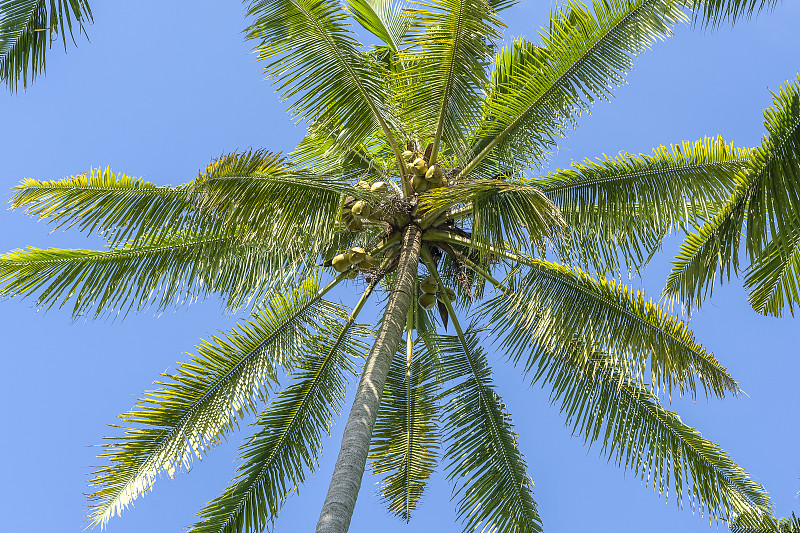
(433, 173)
(379, 187)
(362, 185)
(427, 301)
(429, 285)
(420, 166)
(340, 263)
(417, 182)
(408, 154)
(356, 254)
(355, 224)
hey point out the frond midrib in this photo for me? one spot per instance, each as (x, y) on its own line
(642, 173)
(101, 255)
(449, 83)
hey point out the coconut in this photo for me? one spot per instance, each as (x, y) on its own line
(379, 187)
(362, 185)
(427, 301)
(376, 215)
(408, 154)
(429, 285)
(420, 166)
(356, 255)
(340, 263)
(433, 173)
(417, 182)
(349, 201)
(361, 208)
(423, 186)
(355, 224)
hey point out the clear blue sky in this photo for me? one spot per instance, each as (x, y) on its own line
(165, 86)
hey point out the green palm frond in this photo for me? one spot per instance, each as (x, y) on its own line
(318, 152)
(447, 56)
(482, 459)
(263, 191)
(27, 29)
(383, 18)
(713, 246)
(515, 211)
(584, 54)
(317, 64)
(288, 443)
(761, 523)
(117, 205)
(623, 206)
(551, 305)
(715, 12)
(203, 400)
(773, 279)
(170, 268)
(601, 403)
(405, 439)
(766, 201)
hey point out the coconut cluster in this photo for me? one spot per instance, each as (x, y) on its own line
(423, 177)
(431, 293)
(354, 260)
(355, 211)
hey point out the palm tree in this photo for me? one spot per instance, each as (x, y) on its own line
(412, 180)
(27, 31)
(765, 207)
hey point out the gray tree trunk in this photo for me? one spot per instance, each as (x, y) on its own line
(346, 480)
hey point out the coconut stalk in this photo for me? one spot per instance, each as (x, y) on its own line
(340, 501)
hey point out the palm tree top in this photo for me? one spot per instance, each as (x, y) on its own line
(421, 175)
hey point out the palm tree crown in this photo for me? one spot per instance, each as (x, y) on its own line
(420, 177)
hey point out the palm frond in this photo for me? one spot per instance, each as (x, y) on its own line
(482, 459)
(405, 439)
(27, 29)
(715, 12)
(288, 443)
(537, 93)
(448, 52)
(383, 18)
(766, 199)
(265, 192)
(516, 211)
(601, 403)
(618, 209)
(117, 205)
(202, 402)
(316, 61)
(318, 152)
(170, 268)
(750, 522)
(773, 279)
(551, 305)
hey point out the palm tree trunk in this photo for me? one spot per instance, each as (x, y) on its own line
(346, 480)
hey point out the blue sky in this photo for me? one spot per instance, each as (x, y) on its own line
(162, 89)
